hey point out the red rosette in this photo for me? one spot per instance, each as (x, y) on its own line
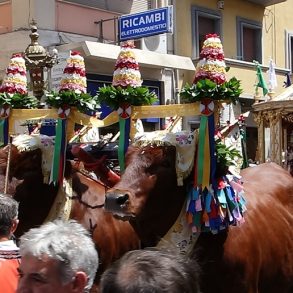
(212, 54)
(212, 36)
(128, 44)
(15, 71)
(216, 78)
(128, 64)
(16, 55)
(74, 53)
(73, 69)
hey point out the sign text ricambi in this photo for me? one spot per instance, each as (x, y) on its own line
(147, 23)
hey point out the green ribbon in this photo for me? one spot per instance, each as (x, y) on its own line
(57, 152)
(121, 151)
(201, 145)
(2, 121)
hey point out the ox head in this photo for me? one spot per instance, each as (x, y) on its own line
(27, 156)
(22, 164)
(26, 161)
(4, 155)
(149, 177)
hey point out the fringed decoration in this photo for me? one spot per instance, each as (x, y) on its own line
(124, 112)
(213, 204)
(4, 125)
(212, 210)
(58, 165)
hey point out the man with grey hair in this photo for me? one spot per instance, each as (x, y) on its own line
(57, 257)
(9, 252)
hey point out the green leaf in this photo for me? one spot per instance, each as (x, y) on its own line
(228, 91)
(82, 102)
(115, 96)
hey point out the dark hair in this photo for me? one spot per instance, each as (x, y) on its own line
(151, 271)
(8, 212)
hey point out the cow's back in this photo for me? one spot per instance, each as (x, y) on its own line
(258, 255)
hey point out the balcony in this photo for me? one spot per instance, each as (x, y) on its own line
(266, 2)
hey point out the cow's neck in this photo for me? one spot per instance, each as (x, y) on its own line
(159, 215)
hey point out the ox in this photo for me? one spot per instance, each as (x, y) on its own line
(256, 256)
(112, 237)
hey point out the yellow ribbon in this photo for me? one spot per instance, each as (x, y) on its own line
(207, 159)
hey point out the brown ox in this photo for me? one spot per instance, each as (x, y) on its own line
(254, 257)
(112, 236)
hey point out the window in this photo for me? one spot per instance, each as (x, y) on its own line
(204, 21)
(249, 34)
(289, 51)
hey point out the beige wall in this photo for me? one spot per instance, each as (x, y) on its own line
(246, 72)
(232, 9)
(5, 18)
(277, 20)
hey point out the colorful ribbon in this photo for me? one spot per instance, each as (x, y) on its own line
(58, 167)
(4, 131)
(124, 112)
(206, 149)
(4, 125)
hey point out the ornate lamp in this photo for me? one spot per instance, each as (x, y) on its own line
(37, 58)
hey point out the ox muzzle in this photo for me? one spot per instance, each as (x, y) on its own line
(117, 202)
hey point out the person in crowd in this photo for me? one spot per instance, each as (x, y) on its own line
(9, 252)
(151, 271)
(57, 257)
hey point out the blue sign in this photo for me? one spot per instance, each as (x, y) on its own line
(144, 24)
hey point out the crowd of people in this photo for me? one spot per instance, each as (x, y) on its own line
(60, 256)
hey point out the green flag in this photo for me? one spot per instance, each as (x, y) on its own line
(260, 80)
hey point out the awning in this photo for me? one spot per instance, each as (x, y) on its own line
(101, 52)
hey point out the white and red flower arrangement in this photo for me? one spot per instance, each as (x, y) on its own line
(15, 81)
(13, 91)
(210, 79)
(126, 68)
(73, 87)
(126, 86)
